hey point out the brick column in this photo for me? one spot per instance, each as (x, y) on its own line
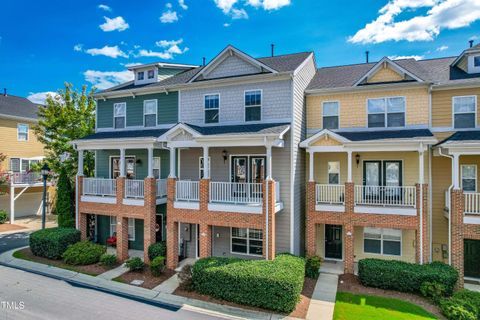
(204, 194)
(310, 227)
(149, 222)
(205, 240)
(456, 216)
(82, 225)
(349, 252)
(270, 236)
(349, 197)
(122, 238)
(120, 189)
(172, 244)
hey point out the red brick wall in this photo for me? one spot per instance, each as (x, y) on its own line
(456, 207)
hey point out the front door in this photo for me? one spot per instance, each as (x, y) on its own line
(472, 258)
(333, 241)
(239, 169)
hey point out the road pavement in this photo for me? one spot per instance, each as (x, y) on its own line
(13, 240)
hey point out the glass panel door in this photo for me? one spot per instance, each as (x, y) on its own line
(239, 169)
(371, 179)
(257, 169)
(115, 167)
(392, 180)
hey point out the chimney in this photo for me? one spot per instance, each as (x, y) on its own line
(203, 61)
(5, 92)
(471, 43)
(273, 49)
(366, 55)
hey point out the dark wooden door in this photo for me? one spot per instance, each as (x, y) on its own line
(472, 258)
(333, 241)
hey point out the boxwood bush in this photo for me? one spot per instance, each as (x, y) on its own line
(463, 305)
(83, 253)
(51, 243)
(274, 285)
(158, 249)
(405, 277)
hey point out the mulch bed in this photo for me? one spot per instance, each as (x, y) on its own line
(149, 280)
(10, 227)
(350, 283)
(92, 269)
(299, 312)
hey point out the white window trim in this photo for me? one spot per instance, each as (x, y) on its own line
(131, 237)
(381, 243)
(18, 131)
(130, 220)
(255, 106)
(454, 113)
(145, 114)
(205, 109)
(20, 164)
(248, 243)
(328, 173)
(125, 116)
(461, 177)
(200, 169)
(159, 166)
(112, 224)
(338, 111)
(386, 111)
(471, 64)
(126, 156)
(140, 72)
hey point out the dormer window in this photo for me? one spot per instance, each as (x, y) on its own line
(151, 74)
(476, 62)
(140, 75)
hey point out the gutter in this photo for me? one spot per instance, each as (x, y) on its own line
(449, 210)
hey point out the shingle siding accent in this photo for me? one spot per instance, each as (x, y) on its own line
(232, 66)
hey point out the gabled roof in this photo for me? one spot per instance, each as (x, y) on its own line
(394, 65)
(474, 49)
(19, 107)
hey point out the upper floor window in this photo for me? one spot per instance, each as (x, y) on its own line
(21, 165)
(150, 113)
(211, 105)
(330, 115)
(476, 61)
(386, 112)
(22, 132)
(253, 105)
(469, 177)
(140, 75)
(151, 74)
(119, 115)
(464, 112)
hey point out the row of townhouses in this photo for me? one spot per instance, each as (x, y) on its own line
(251, 157)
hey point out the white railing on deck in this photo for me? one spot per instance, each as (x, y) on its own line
(472, 203)
(99, 187)
(236, 192)
(26, 178)
(385, 196)
(277, 192)
(187, 190)
(330, 193)
(134, 189)
(161, 188)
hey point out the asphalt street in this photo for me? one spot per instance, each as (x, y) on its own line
(13, 240)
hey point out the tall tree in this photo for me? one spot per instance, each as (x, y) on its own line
(67, 116)
(64, 203)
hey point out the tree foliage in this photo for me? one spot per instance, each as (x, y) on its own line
(67, 116)
(64, 204)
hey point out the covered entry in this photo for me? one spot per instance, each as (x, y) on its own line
(333, 242)
(472, 258)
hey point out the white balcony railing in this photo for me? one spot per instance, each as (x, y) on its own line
(472, 203)
(385, 196)
(277, 192)
(99, 187)
(236, 192)
(134, 189)
(187, 190)
(330, 194)
(161, 188)
(26, 178)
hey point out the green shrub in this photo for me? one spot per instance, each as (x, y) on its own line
(108, 260)
(433, 290)
(274, 285)
(3, 216)
(457, 309)
(157, 266)
(64, 204)
(158, 249)
(83, 253)
(185, 278)
(312, 266)
(51, 243)
(405, 277)
(135, 264)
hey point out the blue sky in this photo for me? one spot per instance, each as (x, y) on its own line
(44, 43)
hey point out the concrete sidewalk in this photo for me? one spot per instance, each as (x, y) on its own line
(161, 299)
(322, 304)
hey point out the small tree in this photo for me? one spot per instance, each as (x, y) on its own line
(64, 205)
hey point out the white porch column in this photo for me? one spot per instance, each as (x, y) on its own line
(311, 166)
(80, 163)
(12, 205)
(421, 167)
(269, 162)
(455, 173)
(206, 163)
(122, 163)
(150, 162)
(172, 163)
(349, 162)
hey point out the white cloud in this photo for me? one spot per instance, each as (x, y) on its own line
(226, 25)
(112, 52)
(131, 64)
(269, 4)
(239, 14)
(149, 53)
(442, 48)
(182, 4)
(40, 97)
(117, 23)
(106, 79)
(169, 16)
(443, 14)
(78, 47)
(416, 57)
(167, 43)
(104, 7)
(225, 5)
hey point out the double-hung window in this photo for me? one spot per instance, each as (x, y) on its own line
(333, 172)
(476, 62)
(140, 75)
(253, 105)
(131, 227)
(150, 74)
(15, 164)
(469, 177)
(156, 167)
(386, 112)
(119, 115)
(464, 112)
(150, 113)
(22, 132)
(247, 241)
(330, 115)
(382, 241)
(211, 106)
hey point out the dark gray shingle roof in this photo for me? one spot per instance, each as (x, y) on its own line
(469, 135)
(18, 107)
(244, 129)
(385, 134)
(153, 133)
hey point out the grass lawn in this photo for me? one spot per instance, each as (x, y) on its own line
(350, 306)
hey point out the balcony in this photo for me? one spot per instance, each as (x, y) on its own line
(99, 190)
(330, 197)
(26, 179)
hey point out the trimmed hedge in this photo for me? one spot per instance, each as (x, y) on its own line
(158, 249)
(83, 253)
(274, 285)
(405, 277)
(51, 243)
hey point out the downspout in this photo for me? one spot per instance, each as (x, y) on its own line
(430, 191)
(449, 210)
(266, 219)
